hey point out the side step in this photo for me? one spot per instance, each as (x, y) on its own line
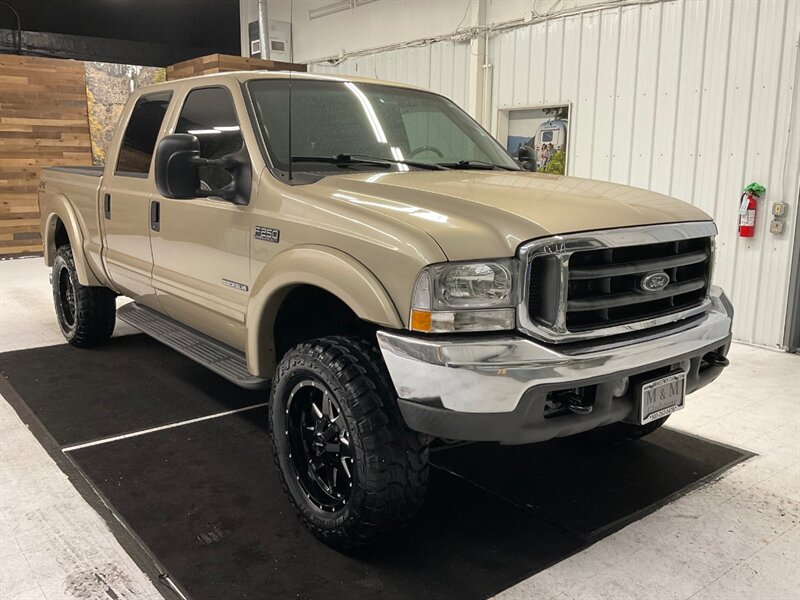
(220, 358)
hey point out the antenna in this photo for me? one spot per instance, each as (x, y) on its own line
(290, 126)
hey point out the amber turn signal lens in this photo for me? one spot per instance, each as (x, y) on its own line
(420, 320)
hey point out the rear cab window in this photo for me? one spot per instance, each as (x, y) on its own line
(141, 134)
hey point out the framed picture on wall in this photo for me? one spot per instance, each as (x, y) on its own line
(539, 134)
(108, 86)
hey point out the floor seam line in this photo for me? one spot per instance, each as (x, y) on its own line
(123, 436)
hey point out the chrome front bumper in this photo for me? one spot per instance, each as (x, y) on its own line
(440, 378)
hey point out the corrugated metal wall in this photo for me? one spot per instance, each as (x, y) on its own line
(441, 67)
(691, 98)
(681, 98)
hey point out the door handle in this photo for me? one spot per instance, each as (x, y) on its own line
(155, 215)
(107, 206)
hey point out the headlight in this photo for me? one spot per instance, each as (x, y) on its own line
(474, 296)
(474, 285)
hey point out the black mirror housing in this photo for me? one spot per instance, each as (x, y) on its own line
(177, 175)
(527, 157)
(177, 161)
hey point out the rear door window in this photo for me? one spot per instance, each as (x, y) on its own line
(139, 142)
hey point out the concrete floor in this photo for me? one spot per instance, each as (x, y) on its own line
(737, 537)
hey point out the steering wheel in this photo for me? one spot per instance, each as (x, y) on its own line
(426, 148)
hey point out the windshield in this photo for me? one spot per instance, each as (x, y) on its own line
(367, 121)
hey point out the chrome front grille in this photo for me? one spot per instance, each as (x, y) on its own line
(604, 283)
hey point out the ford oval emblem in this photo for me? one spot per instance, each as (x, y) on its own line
(654, 282)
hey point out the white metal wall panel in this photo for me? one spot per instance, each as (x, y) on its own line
(667, 98)
(504, 71)
(623, 105)
(768, 256)
(605, 94)
(731, 152)
(571, 58)
(532, 73)
(644, 113)
(442, 67)
(687, 97)
(554, 75)
(579, 159)
(523, 41)
(683, 147)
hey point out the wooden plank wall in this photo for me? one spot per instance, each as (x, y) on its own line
(224, 63)
(43, 122)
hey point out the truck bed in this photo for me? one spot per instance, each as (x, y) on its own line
(74, 190)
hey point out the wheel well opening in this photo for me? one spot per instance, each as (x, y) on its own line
(61, 237)
(309, 312)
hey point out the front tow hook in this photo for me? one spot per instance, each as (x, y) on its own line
(715, 359)
(576, 403)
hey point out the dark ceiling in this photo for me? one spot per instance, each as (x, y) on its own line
(185, 26)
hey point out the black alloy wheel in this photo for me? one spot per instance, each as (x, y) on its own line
(66, 298)
(319, 445)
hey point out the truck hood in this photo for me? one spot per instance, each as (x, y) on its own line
(482, 214)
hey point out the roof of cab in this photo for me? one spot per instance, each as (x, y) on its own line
(244, 76)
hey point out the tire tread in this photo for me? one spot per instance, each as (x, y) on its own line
(397, 470)
(96, 310)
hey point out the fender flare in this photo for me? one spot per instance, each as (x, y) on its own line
(60, 209)
(327, 268)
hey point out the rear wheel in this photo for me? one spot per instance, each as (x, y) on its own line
(86, 315)
(350, 466)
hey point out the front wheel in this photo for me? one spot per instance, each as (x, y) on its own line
(86, 315)
(350, 466)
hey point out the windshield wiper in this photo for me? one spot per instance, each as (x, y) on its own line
(343, 160)
(476, 164)
(363, 159)
(410, 163)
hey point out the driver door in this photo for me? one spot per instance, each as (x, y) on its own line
(201, 246)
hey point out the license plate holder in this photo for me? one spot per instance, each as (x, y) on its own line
(661, 396)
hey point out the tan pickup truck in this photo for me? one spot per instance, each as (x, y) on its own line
(374, 258)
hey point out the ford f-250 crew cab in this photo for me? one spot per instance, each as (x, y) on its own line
(376, 259)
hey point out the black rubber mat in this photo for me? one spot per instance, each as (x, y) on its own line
(587, 487)
(205, 500)
(130, 384)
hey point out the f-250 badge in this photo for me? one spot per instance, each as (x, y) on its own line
(268, 234)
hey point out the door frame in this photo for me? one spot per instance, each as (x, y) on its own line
(791, 336)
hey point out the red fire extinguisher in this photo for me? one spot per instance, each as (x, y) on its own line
(747, 209)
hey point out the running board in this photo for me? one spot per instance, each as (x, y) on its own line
(220, 358)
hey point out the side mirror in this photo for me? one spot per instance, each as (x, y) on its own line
(527, 158)
(177, 163)
(177, 170)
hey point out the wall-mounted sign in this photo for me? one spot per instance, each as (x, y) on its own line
(108, 87)
(542, 131)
